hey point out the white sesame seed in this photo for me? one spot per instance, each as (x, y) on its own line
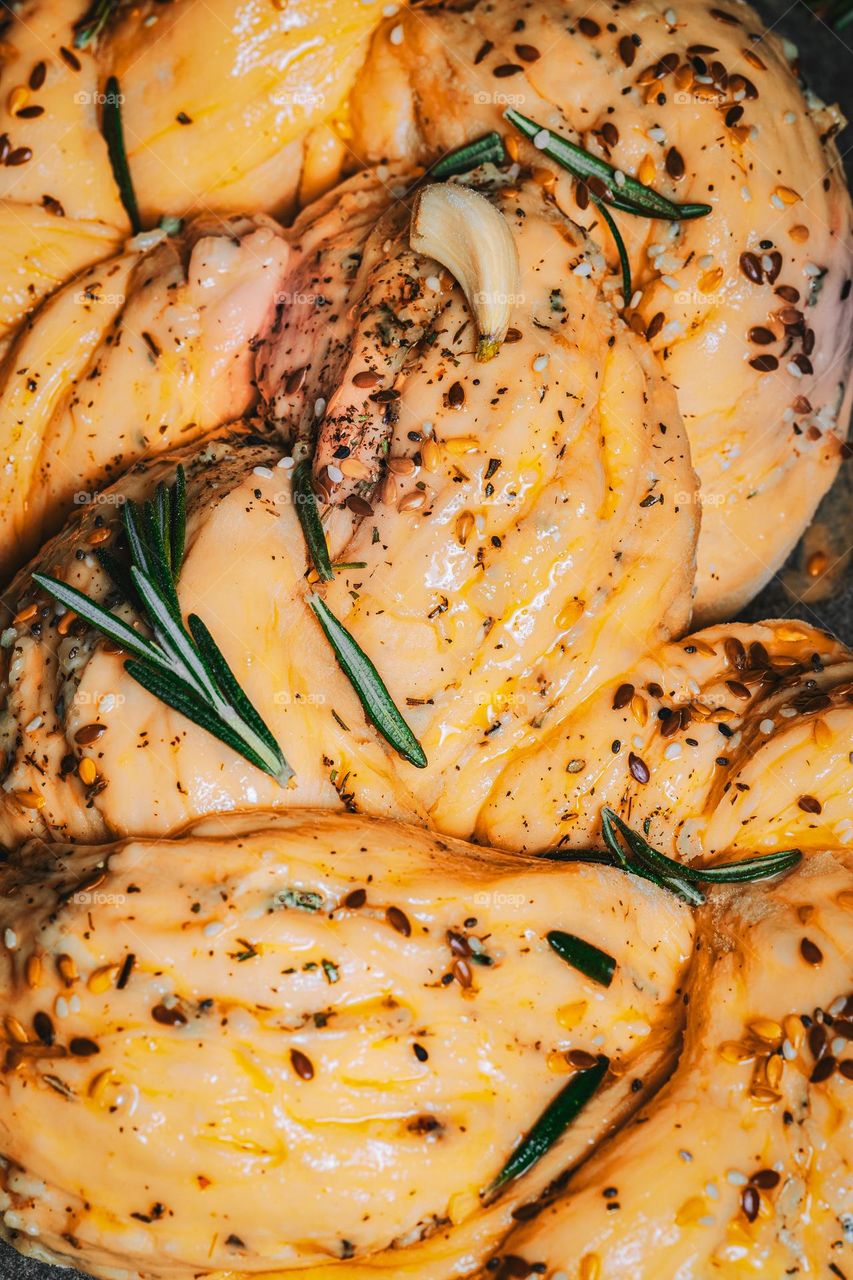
(582, 269)
(839, 1044)
(794, 370)
(541, 362)
(736, 1178)
(776, 202)
(811, 269)
(767, 726)
(426, 429)
(636, 297)
(657, 134)
(837, 1005)
(790, 117)
(745, 194)
(334, 473)
(670, 282)
(263, 472)
(671, 17)
(11, 939)
(60, 1007)
(433, 282)
(285, 463)
(541, 139)
(706, 261)
(319, 407)
(685, 1155)
(789, 1053)
(107, 703)
(34, 724)
(389, 10)
(788, 712)
(619, 177)
(74, 1005)
(673, 751)
(211, 930)
(7, 638)
(396, 36)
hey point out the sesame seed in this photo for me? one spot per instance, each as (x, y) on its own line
(433, 282)
(334, 473)
(264, 472)
(285, 463)
(767, 726)
(396, 35)
(319, 407)
(10, 938)
(541, 139)
(34, 724)
(540, 363)
(673, 751)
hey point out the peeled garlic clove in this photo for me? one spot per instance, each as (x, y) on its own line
(462, 230)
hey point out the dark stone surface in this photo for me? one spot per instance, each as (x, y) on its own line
(827, 60)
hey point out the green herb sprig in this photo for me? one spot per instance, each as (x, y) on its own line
(305, 501)
(182, 665)
(624, 261)
(489, 149)
(583, 956)
(113, 131)
(552, 1124)
(369, 687)
(627, 193)
(642, 859)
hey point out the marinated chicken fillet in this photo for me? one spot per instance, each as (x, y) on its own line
(146, 350)
(227, 106)
(280, 1012)
(742, 1165)
(748, 309)
(736, 738)
(526, 508)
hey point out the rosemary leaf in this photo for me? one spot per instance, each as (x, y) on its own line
(368, 685)
(97, 616)
(178, 530)
(304, 498)
(486, 150)
(583, 956)
(234, 695)
(552, 1124)
(663, 872)
(113, 130)
(627, 287)
(630, 196)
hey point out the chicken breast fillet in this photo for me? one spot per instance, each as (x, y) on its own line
(742, 1164)
(736, 738)
(146, 350)
(280, 1011)
(226, 106)
(527, 506)
(748, 309)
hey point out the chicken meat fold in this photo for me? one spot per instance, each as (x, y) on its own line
(146, 350)
(736, 738)
(741, 1166)
(278, 1012)
(527, 506)
(227, 106)
(748, 309)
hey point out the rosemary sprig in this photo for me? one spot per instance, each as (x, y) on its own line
(489, 149)
(627, 286)
(90, 27)
(628, 195)
(182, 666)
(302, 492)
(113, 130)
(679, 877)
(583, 956)
(377, 702)
(552, 1124)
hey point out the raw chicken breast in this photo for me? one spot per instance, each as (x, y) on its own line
(227, 106)
(508, 536)
(277, 1013)
(139, 353)
(742, 1164)
(749, 309)
(736, 738)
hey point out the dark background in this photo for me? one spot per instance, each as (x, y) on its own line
(825, 599)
